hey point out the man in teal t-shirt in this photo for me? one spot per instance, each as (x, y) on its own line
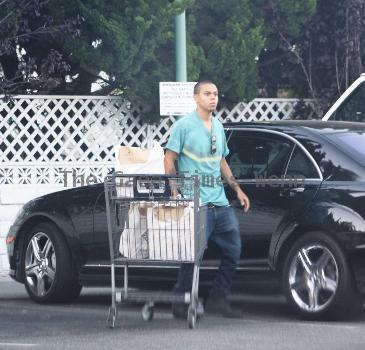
(192, 141)
(198, 143)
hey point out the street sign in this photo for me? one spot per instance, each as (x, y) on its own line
(176, 98)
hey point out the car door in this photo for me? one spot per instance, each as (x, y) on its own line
(267, 164)
(79, 205)
(101, 242)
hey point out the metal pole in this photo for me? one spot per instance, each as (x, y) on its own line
(180, 46)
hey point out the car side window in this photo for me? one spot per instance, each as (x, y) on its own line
(301, 166)
(353, 108)
(254, 155)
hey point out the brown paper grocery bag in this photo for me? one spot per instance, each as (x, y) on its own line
(168, 213)
(137, 160)
(171, 232)
(132, 155)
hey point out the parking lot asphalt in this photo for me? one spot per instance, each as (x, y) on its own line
(267, 324)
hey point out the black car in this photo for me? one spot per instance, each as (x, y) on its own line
(306, 183)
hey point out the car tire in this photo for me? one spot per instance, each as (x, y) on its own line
(49, 272)
(317, 280)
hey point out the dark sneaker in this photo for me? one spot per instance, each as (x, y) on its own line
(217, 304)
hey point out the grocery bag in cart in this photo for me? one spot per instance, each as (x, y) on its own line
(134, 239)
(136, 160)
(171, 231)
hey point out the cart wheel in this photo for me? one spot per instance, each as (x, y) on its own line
(147, 312)
(112, 316)
(191, 317)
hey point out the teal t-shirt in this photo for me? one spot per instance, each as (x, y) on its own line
(191, 140)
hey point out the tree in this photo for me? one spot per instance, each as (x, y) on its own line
(326, 56)
(131, 41)
(284, 20)
(336, 36)
(228, 38)
(24, 26)
(134, 43)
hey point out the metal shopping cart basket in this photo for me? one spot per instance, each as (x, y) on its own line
(149, 227)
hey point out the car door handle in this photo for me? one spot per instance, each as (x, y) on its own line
(291, 192)
(297, 189)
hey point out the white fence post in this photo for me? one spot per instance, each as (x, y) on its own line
(149, 136)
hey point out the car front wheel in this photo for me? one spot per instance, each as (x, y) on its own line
(48, 268)
(317, 280)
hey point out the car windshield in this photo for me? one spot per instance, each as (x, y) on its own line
(353, 108)
(352, 143)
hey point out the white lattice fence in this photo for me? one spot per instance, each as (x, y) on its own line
(261, 109)
(54, 173)
(67, 129)
(41, 134)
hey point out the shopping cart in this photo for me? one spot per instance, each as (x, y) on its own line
(148, 227)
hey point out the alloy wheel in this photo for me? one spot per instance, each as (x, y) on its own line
(313, 277)
(40, 264)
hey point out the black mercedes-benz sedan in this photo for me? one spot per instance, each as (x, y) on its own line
(306, 226)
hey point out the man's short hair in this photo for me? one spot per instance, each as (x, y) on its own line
(199, 84)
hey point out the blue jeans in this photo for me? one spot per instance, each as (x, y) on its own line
(223, 229)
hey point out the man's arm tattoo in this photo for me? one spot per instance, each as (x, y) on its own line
(233, 182)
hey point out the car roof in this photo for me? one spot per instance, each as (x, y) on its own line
(316, 126)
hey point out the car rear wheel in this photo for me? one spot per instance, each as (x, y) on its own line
(49, 274)
(317, 280)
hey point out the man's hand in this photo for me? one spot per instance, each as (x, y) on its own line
(169, 163)
(228, 176)
(174, 193)
(243, 199)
